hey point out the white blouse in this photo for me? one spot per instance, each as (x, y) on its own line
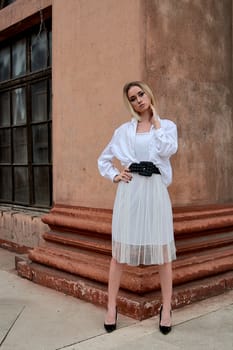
(162, 146)
(142, 143)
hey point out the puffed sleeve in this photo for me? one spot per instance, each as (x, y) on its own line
(166, 138)
(105, 164)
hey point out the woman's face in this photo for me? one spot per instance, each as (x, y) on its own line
(139, 99)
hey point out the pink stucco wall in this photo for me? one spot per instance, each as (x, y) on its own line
(189, 63)
(97, 46)
(184, 52)
(20, 10)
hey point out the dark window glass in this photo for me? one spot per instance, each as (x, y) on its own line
(50, 142)
(21, 183)
(50, 48)
(5, 64)
(50, 99)
(5, 109)
(40, 143)
(20, 145)
(4, 3)
(39, 101)
(19, 58)
(5, 183)
(19, 106)
(42, 185)
(39, 51)
(5, 146)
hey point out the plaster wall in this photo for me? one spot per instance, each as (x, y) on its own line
(97, 47)
(189, 64)
(184, 52)
(19, 10)
(22, 228)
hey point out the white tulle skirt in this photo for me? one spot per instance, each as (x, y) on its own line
(142, 224)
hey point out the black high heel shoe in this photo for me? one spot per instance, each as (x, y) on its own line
(111, 327)
(163, 329)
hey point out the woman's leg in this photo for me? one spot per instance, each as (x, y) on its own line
(115, 273)
(165, 274)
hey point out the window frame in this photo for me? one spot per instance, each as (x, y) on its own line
(26, 80)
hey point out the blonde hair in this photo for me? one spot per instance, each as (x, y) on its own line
(146, 89)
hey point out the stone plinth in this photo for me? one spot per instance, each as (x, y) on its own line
(75, 256)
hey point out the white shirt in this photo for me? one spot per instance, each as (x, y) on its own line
(163, 144)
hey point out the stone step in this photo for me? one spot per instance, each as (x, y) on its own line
(79, 244)
(189, 243)
(98, 221)
(131, 304)
(138, 279)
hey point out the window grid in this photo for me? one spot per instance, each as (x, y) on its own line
(32, 169)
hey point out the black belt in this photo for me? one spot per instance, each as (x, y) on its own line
(144, 168)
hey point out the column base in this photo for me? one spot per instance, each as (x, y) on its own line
(134, 305)
(75, 254)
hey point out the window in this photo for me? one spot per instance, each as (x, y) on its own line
(4, 3)
(26, 120)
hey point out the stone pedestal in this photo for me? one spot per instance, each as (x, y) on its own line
(76, 252)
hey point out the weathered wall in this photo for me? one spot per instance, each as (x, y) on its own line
(97, 46)
(19, 10)
(184, 52)
(189, 63)
(22, 228)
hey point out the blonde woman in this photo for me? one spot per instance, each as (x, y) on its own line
(142, 224)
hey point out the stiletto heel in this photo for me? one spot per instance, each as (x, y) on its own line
(163, 329)
(111, 327)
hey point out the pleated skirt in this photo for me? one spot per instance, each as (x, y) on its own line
(142, 223)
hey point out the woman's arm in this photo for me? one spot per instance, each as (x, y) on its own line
(105, 164)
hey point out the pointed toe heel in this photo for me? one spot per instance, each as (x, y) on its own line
(111, 327)
(163, 329)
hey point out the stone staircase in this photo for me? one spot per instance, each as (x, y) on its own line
(74, 258)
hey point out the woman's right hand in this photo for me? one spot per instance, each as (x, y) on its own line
(155, 119)
(125, 175)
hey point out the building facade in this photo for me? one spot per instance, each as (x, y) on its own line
(62, 69)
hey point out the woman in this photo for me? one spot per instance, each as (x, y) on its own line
(142, 225)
